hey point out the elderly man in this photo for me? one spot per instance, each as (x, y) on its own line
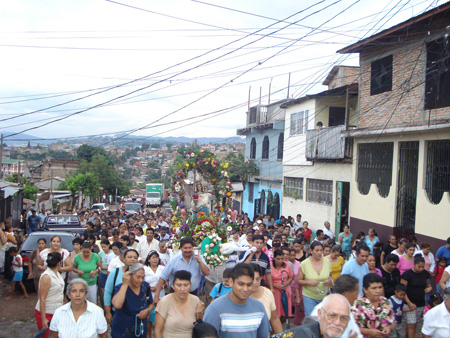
(437, 320)
(328, 231)
(79, 317)
(334, 316)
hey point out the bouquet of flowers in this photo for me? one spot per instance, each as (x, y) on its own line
(212, 251)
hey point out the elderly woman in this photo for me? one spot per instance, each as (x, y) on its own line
(51, 292)
(315, 277)
(177, 312)
(130, 256)
(133, 303)
(372, 311)
(78, 318)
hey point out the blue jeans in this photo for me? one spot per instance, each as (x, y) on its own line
(438, 289)
(309, 305)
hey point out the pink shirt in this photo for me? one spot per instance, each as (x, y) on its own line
(403, 265)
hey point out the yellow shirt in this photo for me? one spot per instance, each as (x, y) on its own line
(336, 268)
(319, 291)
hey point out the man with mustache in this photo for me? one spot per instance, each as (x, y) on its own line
(334, 316)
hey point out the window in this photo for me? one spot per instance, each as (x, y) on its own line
(336, 116)
(437, 179)
(280, 146)
(293, 187)
(299, 122)
(375, 166)
(320, 191)
(265, 148)
(437, 78)
(381, 76)
(250, 192)
(253, 149)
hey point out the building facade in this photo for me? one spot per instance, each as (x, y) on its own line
(401, 163)
(264, 134)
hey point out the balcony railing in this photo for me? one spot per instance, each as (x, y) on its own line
(328, 144)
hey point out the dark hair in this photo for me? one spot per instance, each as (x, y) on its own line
(345, 283)
(117, 244)
(425, 245)
(150, 254)
(256, 237)
(86, 245)
(336, 248)
(92, 236)
(435, 297)
(371, 278)
(204, 330)
(410, 245)
(77, 240)
(182, 275)
(256, 268)
(448, 240)
(42, 239)
(314, 244)
(392, 258)
(418, 259)
(242, 269)
(297, 241)
(278, 252)
(362, 247)
(319, 232)
(53, 258)
(115, 232)
(90, 224)
(186, 240)
(125, 238)
(106, 242)
(13, 249)
(151, 230)
(227, 273)
(130, 250)
(402, 240)
(400, 287)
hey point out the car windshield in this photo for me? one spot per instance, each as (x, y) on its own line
(97, 206)
(31, 242)
(132, 206)
(153, 195)
(62, 219)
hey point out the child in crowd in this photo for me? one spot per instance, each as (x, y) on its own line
(435, 300)
(17, 267)
(204, 330)
(441, 265)
(398, 301)
(223, 288)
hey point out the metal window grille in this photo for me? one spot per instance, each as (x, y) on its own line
(293, 187)
(437, 179)
(265, 148)
(320, 191)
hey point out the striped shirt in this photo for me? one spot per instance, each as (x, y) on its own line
(233, 320)
(89, 325)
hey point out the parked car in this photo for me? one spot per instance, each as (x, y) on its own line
(30, 244)
(130, 207)
(67, 223)
(100, 206)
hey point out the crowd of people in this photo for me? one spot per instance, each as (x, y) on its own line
(280, 278)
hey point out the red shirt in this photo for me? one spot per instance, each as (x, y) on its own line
(439, 271)
(307, 233)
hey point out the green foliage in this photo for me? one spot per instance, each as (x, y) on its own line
(16, 178)
(86, 183)
(61, 155)
(145, 146)
(155, 145)
(30, 191)
(239, 169)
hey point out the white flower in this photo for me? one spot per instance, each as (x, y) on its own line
(211, 245)
(229, 228)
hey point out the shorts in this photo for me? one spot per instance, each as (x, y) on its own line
(17, 276)
(412, 317)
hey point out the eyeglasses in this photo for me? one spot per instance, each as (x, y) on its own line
(332, 317)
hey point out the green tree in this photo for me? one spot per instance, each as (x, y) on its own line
(86, 183)
(145, 146)
(155, 145)
(239, 169)
(30, 192)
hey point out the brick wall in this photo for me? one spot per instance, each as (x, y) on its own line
(404, 104)
(345, 76)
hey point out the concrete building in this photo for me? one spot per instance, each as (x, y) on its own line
(11, 166)
(317, 168)
(264, 134)
(401, 163)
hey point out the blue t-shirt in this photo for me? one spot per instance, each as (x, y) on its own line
(218, 291)
(358, 271)
(444, 252)
(33, 222)
(233, 320)
(125, 320)
(397, 307)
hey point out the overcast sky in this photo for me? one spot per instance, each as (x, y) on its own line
(158, 67)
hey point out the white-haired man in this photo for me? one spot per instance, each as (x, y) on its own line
(334, 316)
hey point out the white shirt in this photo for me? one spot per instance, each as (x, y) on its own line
(114, 264)
(436, 322)
(329, 233)
(89, 325)
(165, 257)
(142, 238)
(15, 265)
(144, 248)
(352, 326)
(152, 278)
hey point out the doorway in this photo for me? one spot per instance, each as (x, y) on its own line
(342, 203)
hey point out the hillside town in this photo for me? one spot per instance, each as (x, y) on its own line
(325, 217)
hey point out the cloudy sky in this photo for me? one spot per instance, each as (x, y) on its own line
(172, 67)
